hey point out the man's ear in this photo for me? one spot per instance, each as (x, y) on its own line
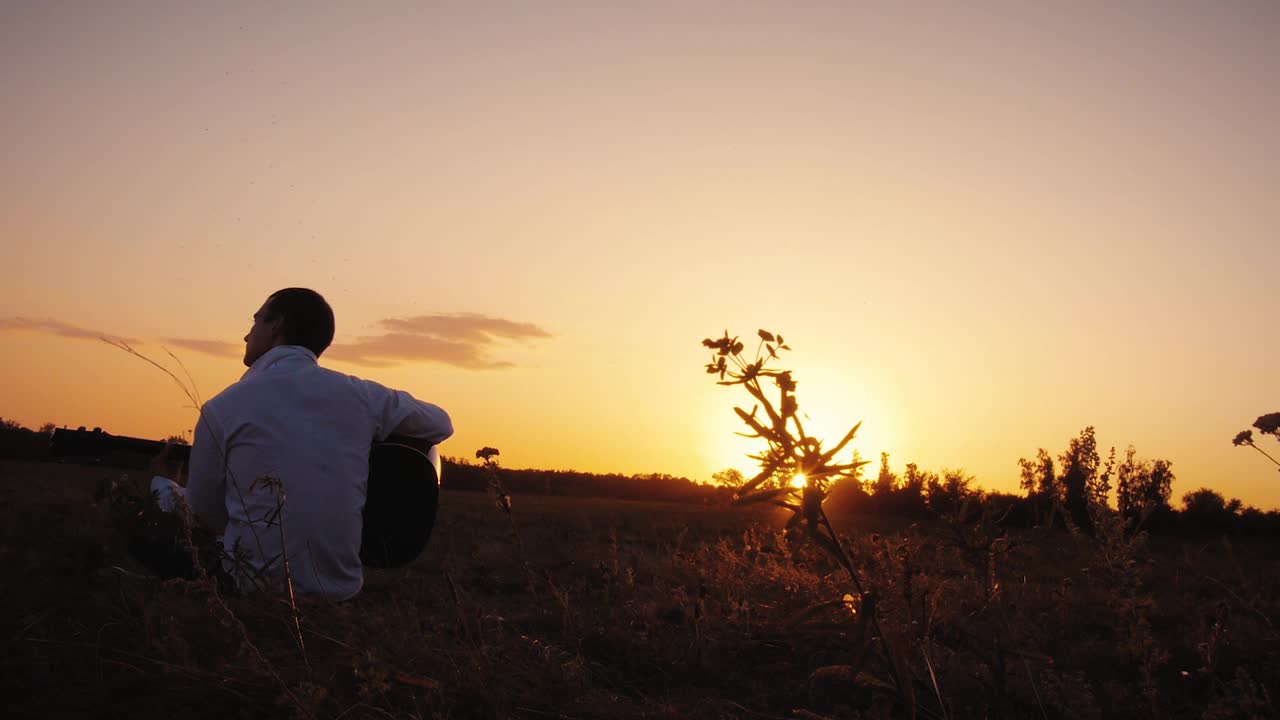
(277, 330)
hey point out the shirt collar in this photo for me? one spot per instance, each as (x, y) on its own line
(281, 357)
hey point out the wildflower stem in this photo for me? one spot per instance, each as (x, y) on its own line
(288, 579)
(192, 382)
(1264, 452)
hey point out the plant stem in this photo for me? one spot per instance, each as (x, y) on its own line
(1264, 452)
(288, 580)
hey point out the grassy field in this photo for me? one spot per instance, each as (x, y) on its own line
(617, 609)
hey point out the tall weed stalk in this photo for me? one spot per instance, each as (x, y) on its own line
(797, 472)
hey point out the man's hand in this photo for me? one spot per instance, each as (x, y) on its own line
(164, 467)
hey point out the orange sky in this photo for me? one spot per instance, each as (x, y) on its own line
(982, 226)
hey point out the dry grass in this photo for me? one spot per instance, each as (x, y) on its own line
(617, 609)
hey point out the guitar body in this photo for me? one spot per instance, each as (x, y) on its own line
(400, 504)
(400, 507)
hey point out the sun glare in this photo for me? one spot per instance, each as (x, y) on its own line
(799, 480)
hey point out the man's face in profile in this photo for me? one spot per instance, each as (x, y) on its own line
(263, 335)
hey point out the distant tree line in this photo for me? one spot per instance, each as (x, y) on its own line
(1059, 491)
(463, 474)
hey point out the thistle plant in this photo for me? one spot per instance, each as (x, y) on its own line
(796, 473)
(501, 499)
(497, 491)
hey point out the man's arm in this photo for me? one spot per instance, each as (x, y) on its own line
(207, 473)
(398, 413)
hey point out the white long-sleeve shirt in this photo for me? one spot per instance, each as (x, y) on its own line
(312, 428)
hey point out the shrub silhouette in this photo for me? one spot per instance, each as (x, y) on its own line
(1207, 510)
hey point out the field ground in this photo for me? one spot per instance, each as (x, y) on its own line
(584, 608)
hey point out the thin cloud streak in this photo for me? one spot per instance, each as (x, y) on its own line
(217, 348)
(400, 348)
(465, 327)
(459, 339)
(49, 326)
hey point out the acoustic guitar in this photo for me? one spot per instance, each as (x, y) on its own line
(400, 504)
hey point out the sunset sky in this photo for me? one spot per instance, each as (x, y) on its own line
(980, 226)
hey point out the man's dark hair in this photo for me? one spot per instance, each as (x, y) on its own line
(308, 319)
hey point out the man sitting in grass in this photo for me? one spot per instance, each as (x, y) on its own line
(293, 437)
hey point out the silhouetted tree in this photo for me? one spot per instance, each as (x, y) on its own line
(1143, 487)
(729, 477)
(907, 497)
(1080, 464)
(885, 481)
(849, 494)
(1159, 486)
(1206, 509)
(1099, 490)
(859, 472)
(1253, 521)
(1128, 483)
(1040, 484)
(17, 441)
(948, 493)
(1204, 502)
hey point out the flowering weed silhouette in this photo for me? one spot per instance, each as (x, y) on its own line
(1268, 424)
(796, 473)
